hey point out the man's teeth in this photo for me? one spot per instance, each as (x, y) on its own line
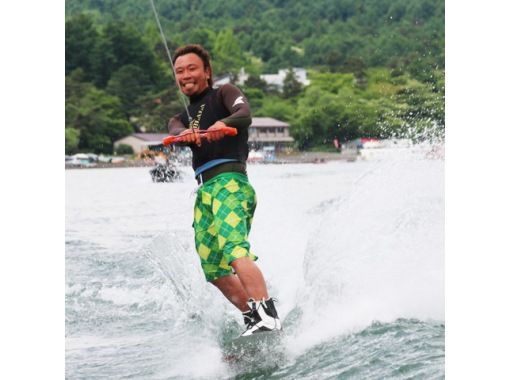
(187, 85)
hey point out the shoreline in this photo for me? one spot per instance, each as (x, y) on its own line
(300, 158)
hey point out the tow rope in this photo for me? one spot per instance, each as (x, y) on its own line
(163, 38)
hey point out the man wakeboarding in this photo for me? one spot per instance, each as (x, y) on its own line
(226, 201)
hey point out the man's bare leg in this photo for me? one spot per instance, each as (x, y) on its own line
(248, 283)
(233, 290)
(264, 316)
(251, 278)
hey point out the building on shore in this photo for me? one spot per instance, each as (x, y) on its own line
(266, 132)
(141, 142)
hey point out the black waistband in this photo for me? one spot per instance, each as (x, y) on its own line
(236, 167)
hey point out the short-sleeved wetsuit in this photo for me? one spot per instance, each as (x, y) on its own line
(226, 201)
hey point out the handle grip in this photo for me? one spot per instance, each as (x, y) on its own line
(229, 131)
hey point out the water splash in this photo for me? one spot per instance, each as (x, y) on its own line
(353, 251)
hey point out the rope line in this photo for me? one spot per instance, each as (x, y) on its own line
(163, 38)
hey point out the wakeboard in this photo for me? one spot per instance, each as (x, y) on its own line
(259, 346)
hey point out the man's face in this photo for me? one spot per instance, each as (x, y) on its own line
(191, 74)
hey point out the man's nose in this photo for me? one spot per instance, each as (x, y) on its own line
(185, 74)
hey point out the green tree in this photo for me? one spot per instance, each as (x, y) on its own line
(96, 115)
(155, 110)
(119, 45)
(72, 136)
(202, 36)
(275, 106)
(81, 38)
(128, 83)
(124, 149)
(227, 53)
(357, 66)
(291, 86)
(255, 81)
(255, 97)
(422, 101)
(318, 113)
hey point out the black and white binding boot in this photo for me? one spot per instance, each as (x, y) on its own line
(261, 317)
(248, 318)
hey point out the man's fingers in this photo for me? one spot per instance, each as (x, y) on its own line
(215, 135)
(191, 136)
(212, 136)
(196, 138)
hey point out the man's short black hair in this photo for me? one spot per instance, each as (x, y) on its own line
(198, 50)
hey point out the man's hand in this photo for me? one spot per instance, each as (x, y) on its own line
(190, 136)
(215, 132)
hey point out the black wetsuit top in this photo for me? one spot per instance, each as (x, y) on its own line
(227, 104)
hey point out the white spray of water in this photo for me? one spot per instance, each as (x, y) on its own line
(377, 252)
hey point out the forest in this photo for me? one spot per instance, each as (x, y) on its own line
(376, 66)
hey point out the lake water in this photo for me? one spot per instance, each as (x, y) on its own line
(353, 251)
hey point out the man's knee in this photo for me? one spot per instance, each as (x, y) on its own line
(243, 262)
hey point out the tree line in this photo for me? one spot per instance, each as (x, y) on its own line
(376, 67)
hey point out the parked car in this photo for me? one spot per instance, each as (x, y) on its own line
(81, 160)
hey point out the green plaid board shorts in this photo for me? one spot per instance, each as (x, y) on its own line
(224, 211)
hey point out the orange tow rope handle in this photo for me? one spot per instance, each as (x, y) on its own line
(229, 131)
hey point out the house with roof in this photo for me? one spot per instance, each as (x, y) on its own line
(266, 131)
(141, 141)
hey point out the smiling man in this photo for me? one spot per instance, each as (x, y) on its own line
(226, 201)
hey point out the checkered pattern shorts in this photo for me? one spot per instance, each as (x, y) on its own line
(224, 211)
